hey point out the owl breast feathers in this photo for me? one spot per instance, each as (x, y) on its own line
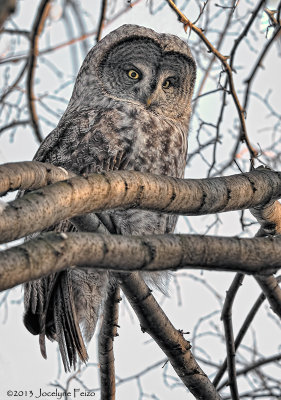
(129, 110)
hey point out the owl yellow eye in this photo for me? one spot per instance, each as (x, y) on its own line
(133, 74)
(166, 84)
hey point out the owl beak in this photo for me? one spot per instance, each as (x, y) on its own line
(148, 101)
(152, 99)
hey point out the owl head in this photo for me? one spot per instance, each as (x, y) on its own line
(137, 65)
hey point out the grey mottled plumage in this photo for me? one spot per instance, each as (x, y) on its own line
(130, 109)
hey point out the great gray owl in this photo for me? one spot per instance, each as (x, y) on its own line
(130, 109)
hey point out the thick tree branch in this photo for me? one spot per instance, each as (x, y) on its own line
(129, 189)
(29, 175)
(272, 291)
(269, 217)
(154, 321)
(52, 252)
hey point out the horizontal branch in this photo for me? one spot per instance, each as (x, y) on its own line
(13, 124)
(52, 252)
(130, 189)
(29, 175)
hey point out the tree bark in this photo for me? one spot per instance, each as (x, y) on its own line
(98, 192)
(52, 252)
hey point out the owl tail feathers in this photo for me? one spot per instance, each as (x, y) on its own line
(57, 319)
(68, 333)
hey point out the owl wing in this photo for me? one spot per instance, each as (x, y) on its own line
(50, 303)
(50, 311)
(56, 306)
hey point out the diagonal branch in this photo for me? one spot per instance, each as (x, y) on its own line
(154, 321)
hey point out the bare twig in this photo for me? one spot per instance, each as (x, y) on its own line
(272, 291)
(270, 14)
(14, 59)
(245, 31)
(102, 20)
(226, 317)
(279, 12)
(15, 83)
(80, 23)
(231, 63)
(70, 33)
(244, 328)
(13, 124)
(37, 28)
(258, 64)
(218, 46)
(253, 366)
(16, 32)
(188, 24)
